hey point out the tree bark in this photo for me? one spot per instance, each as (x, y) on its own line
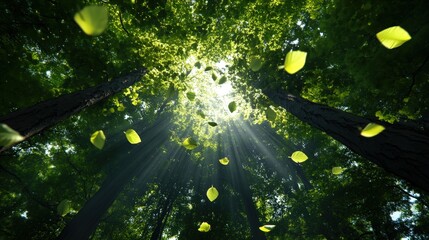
(399, 150)
(88, 217)
(35, 119)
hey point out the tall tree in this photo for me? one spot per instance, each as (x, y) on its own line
(37, 118)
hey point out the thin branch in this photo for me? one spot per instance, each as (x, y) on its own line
(414, 76)
(122, 23)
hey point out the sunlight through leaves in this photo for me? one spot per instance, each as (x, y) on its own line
(8, 136)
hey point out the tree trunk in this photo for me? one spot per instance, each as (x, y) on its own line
(33, 120)
(399, 150)
(88, 218)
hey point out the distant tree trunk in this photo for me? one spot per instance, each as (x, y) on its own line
(88, 217)
(33, 120)
(163, 214)
(399, 150)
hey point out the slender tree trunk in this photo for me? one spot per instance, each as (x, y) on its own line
(35, 119)
(86, 221)
(399, 150)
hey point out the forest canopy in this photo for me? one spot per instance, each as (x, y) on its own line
(188, 119)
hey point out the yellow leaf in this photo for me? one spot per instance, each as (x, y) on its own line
(299, 157)
(295, 60)
(224, 161)
(337, 170)
(64, 207)
(98, 139)
(8, 136)
(393, 37)
(371, 130)
(255, 64)
(189, 143)
(92, 19)
(212, 194)
(132, 136)
(267, 228)
(204, 227)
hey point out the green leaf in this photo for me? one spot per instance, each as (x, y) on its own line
(232, 106)
(197, 64)
(214, 77)
(371, 130)
(270, 114)
(189, 143)
(8, 136)
(224, 161)
(295, 60)
(222, 80)
(190, 96)
(299, 157)
(212, 194)
(64, 207)
(267, 228)
(213, 124)
(338, 170)
(393, 37)
(201, 114)
(208, 68)
(255, 64)
(92, 19)
(204, 227)
(132, 136)
(98, 139)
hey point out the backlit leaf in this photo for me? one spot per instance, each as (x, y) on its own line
(393, 37)
(371, 130)
(224, 161)
(295, 60)
(190, 96)
(189, 143)
(222, 80)
(232, 106)
(92, 19)
(267, 228)
(212, 194)
(132, 136)
(64, 207)
(299, 157)
(337, 170)
(98, 139)
(213, 124)
(270, 114)
(255, 64)
(204, 227)
(201, 114)
(8, 136)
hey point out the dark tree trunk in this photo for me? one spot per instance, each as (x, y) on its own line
(88, 218)
(399, 150)
(33, 120)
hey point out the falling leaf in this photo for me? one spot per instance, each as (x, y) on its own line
(270, 114)
(64, 207)
(197, 64)
(213, 124)
(92, 19)
(189, 143)
(224, 161)
(204, 227)
(267, 228)
(295, 60)
(337, 170)
(299, 157)
(190, 96)
(232, 106)
(201, 114)
(8, 136)
(214, 77)
(212, 194)
(371, 130)
(222, 80)
(255, 64)
(393, 37)
(132, 136)
(98, 139)
(208, 68)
